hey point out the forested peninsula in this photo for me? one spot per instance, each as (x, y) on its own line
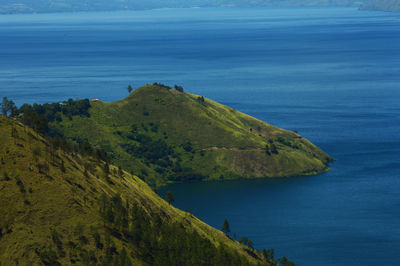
(163, 134)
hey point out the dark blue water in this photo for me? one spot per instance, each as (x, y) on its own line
(331, 74)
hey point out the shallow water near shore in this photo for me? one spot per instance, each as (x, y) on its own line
(329, 73)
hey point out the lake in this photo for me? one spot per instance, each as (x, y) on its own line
(332, 74)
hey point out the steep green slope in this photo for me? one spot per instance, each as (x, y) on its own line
(61, 207)
(170, 135)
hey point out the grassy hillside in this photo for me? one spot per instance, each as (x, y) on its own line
(61, 207)
(162, 135)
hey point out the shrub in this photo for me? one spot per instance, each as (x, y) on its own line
(6, 176)
(178, 88)
(20, 184)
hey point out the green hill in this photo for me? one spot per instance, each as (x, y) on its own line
(162, 135)
(59, 206)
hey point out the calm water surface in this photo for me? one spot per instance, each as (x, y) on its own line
(331, 74)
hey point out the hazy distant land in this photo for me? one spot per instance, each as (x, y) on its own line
(383, 5)
(42, 6)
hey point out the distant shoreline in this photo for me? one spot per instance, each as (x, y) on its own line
(359, 8)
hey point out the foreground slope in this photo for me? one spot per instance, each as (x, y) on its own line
(162, 132)
(62, 207)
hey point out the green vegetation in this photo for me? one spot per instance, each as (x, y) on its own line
(130, 89)
(38, 116)
(245, 241)
(167, 135)
(225, 227)
(60, 206)
(8, 107)
(178, 88)
(268, 253)
(169, 197)
(64, 202)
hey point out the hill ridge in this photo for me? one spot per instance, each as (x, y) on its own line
(165, 135)
(62, 206)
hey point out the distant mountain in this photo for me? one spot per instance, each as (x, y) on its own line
(288, 3)
(43, 6)
(382, 5)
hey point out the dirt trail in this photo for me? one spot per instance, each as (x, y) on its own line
(247, 148)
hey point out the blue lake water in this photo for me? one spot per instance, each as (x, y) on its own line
(332, 74)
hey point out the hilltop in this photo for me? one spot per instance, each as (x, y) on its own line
(63, 206)
(162, 134)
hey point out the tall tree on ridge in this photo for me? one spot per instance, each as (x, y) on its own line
(130, 89)
(225, 227)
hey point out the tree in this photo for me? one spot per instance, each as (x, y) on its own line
(286, 262)
(274, 150)
(120, 172)
(130, 89)
(106, 168)
(123, 258)
(62, 167)
(178, 88)
(245, 241)
(268, 253)
(8, 107)
(169, 197)
(267, 149)
(14, 132)
(200, 99)
(4, 109)
(225, 227)
(13, 109)
(187, 146)
(250, 244)
(42, 124)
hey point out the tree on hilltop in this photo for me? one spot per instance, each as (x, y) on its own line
(8, 107)
(178, 88)
(268, 253)
(286, 262)
(130, 89)
(225, 227)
